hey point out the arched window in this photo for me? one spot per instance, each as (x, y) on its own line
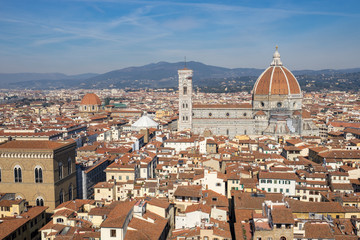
(60, 170)
(283, 238)
(38, 174)
(61, 196)
(18, 197)
(39, 201)
(17, 174)
(59, 220)
(69, 166)
(70, 192)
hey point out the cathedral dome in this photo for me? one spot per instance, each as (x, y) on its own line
(276, 80)
(90, 99)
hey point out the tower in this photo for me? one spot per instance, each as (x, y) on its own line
(185, 99)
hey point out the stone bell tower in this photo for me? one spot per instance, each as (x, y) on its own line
(185, 99)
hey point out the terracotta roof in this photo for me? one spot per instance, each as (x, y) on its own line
(277, 175)
(117, 216)
(276, 80)
(198, 207)
(317, 231)
(90, 99)
(260, 113)
(188, 191)
(144, 229)
(282, 215)
(18, 144)
(315, 207)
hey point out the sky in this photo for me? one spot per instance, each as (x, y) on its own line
(97, 36)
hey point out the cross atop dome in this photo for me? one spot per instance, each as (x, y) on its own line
(276, 58)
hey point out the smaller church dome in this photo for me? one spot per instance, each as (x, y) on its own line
(90, 99)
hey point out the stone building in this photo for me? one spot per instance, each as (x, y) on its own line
(90, 103)
(276, 107)
(42, 172)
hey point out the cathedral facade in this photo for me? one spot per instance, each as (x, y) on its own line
(276, 107)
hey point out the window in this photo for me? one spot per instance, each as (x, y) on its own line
(269, 190)
(210, 114)
(113, 233)
(39, 201)
(262, 104)
(218, 184)
(244, 114)
(227, 114)
(120, 177)
(69, 166)
(60, 168)
(59, 220)
(279, 104)
(17, 174)
(275, 189)
(287, 190)
(263, 181)
(61, 196)
(70, 192)
(127, 177)
(38, 174)
(185, 90)
(0, 174)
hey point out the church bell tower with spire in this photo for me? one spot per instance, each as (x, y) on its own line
(185, 98)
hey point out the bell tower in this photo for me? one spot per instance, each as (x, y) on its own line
(185, 99)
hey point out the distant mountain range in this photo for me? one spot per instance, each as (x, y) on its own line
(155, 75)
